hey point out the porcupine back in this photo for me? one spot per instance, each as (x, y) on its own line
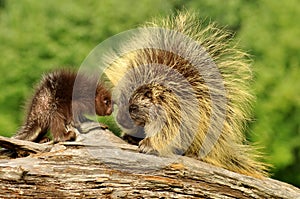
(231, 149)
(54, 105)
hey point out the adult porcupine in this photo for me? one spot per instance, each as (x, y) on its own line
(55, 106)
(185, 88)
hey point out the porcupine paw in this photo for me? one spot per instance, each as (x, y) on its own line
(69, 134)
(145, 146)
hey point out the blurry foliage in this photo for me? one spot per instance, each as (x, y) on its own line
(37, 36)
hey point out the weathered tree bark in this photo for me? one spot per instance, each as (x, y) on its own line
(101, 165)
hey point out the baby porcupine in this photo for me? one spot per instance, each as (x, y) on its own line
(184, 88)
(55, 107)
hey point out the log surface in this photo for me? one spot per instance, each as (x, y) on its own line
(101, 165)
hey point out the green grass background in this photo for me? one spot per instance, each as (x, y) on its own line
(37, 36)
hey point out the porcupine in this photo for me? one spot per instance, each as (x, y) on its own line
(54, 107)
(186, 89)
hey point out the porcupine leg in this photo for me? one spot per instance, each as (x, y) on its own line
(59, 130)
(28, 132)
(145, 146)
(33, 130)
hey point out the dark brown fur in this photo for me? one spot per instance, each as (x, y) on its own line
(54, 106)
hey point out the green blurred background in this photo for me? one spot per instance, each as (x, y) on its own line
(36, 36)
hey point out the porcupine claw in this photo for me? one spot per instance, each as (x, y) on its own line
(145, 146)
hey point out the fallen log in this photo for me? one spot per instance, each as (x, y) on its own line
(101, 165)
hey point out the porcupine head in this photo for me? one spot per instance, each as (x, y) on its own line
(157, 106)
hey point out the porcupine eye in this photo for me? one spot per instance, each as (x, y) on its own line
(148, 94)
(106, 102)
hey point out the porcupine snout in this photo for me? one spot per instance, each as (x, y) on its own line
(138, 115)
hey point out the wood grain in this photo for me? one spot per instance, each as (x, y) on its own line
(101, 165)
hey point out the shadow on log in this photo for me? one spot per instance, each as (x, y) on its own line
(101, 165)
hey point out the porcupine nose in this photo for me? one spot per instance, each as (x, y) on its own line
(109, 110)
(133, 108)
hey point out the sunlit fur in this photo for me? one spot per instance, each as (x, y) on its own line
(185, 129)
